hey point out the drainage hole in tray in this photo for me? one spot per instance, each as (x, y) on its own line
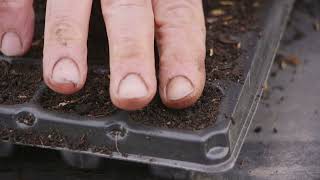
(116, 132)
(25, 119)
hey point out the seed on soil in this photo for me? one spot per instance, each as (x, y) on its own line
(211, 52)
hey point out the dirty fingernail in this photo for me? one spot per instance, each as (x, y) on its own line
(132, 86)
(11, 44)
(179, 87)
(66, 71)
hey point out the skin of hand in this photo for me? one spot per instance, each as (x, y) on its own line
(132, 25)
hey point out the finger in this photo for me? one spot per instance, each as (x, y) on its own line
(65, 44)
(130, 28)
(16, 26)
(180, 34)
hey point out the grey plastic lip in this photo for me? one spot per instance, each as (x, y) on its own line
(191, 148)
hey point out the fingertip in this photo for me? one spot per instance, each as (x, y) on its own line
(65, 77)
(11, 44)
(17, 29)
(66, 71)
(180, 92)
(132, 86)
(132, 92)
(179, 87)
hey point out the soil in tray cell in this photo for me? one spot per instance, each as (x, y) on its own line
(18, 82)
(93, 100)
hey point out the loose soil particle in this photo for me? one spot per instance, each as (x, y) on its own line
(18, 82)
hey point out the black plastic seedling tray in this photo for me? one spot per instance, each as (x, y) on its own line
(212, 149)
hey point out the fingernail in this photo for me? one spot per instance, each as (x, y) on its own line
(11, 44)
(132, 86)
(66, 71)
(179, 87)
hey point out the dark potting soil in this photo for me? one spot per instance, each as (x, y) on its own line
(51, 138)
(18, 82)
(225, 21)
(93, 100)
(201, 115)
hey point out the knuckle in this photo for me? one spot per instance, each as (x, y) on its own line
(14, 6)
(129, 3)
(4, 4)
(128, 47)
(110, 6)
(178, 12)
(195, 57)
(64, 31)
